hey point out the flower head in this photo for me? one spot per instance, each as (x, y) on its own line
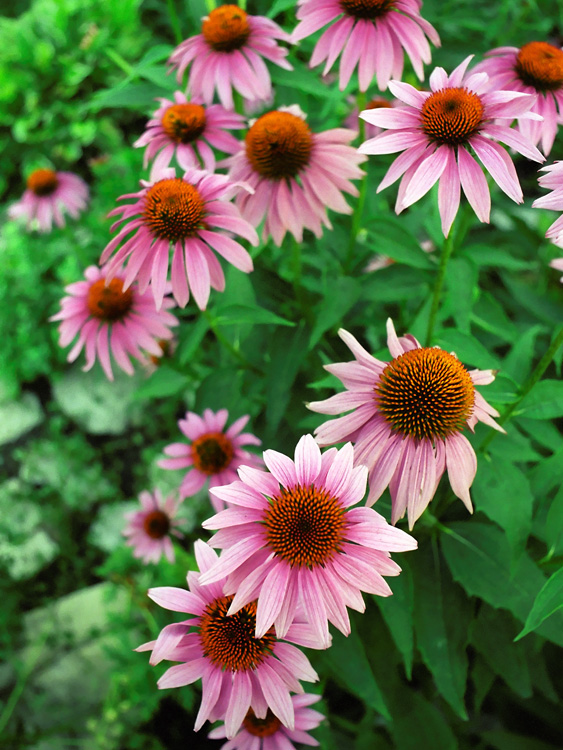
(188, 129)
(185, 213)
(370, 34)
(407, 420)
(536, 68)
(296, 174)
(149, 529)
(269, 733)
(214, 453)
(291, 537)
(553, 180)
(48, 196)
(110, 319)
(228, 54)
(239, 671)
(437, 128)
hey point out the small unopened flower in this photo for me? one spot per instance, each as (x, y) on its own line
(436, 130)
(296, 174)
(370, 34)
(535, 68)
(229, 54)
(553, 180)
(186, 214)
(188, 129)
(111, 320)
(214, 453)
(291, 538)
(239, 672)
(269, 733)
(48, 197)
(406, 420)
(149, 529)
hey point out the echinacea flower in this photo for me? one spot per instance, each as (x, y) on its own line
(436, 129)
(377, 102)
(188, 129)
(110, 319)
(149, 529)
(228, 54)
(184, 213)
(370, 34)
(553, 180)
(291, 537)
(214, 453)
(269, 733)
(407, 420)
(535, 68)
(239, 671)
(296, 174)
(48, 196)
(557, 264)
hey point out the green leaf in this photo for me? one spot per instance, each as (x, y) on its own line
(347, 291)
(389, 237)
(461, 280)
(492, 633)
(518, 363)
(501, 740)
(503, 493)
(419, 725)
(467, 349)
(479, 558)
(139, 96)
(548, 601)
(164, 382)
(348, 665)
(545, 400)
(487, 255)
(18, 417)
(288, 349)
(554, 523)
(443, 651)
(279, 6)
(239, 314)
(397, 611)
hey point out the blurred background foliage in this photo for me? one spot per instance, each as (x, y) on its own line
(432, 668)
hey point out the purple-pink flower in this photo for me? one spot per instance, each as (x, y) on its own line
(269, 733)
(188, 129)
(229, 54)
(48, 196)
(553, 180)
(186, 213)
(535, 68)
(291, 538)
(111, 320)
(436, 129)
(214, 453)
(370, 34)
(148, 530)
(406, 420)
(296, 174)
(238, 671)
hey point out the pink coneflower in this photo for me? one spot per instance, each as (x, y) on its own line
(407, 420)
(269, 733)
(368, 33)
(110, 319)
(536, 68)
(228, 55)
(239, 671)
(553, 180)
(435, 130)
(188, 129)
(149, 529)
(302, 543)
(296, 174)
(558, 264)
(378, 102)
(185, 213)
(48, 196)
(214, 452)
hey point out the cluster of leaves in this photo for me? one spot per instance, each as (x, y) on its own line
(435, 665)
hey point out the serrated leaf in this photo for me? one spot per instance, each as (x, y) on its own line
(239, 314)
(545, 401)
(547, 602)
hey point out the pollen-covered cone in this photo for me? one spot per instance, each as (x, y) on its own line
(239, 672)
(406, 420)
(290, 537)
(148, 530)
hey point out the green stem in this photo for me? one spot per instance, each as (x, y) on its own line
(23, 676)
(242, 4)
(536, 375)
(224, 341)
(359, 210)
(174, 21)
(447, 250)
(120, 62)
